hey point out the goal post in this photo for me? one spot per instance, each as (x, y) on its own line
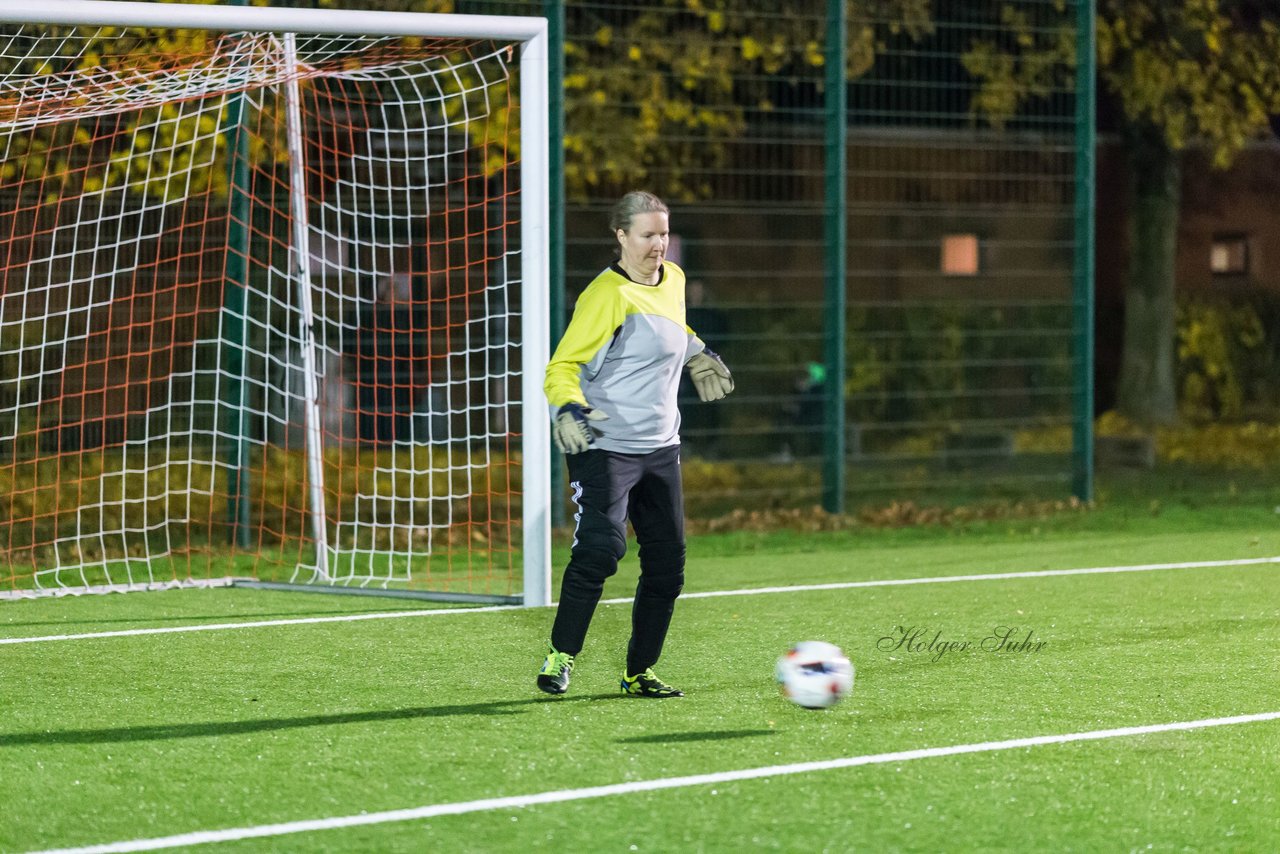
(390, 338)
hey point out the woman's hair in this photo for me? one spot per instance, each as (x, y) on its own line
(635, 202)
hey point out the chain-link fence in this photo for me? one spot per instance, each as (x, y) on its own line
(966, 368)
(963, 374)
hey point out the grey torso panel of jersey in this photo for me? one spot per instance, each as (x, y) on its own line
(634, 381)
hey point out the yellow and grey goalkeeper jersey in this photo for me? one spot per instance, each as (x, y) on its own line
(622, 354)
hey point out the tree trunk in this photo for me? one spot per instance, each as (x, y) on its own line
(1147, 391)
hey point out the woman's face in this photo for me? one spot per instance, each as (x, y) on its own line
(644, 245)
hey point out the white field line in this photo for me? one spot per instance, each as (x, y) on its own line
(560, 796)
(709, 594)
(254, 624)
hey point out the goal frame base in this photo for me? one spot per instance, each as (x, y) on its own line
(381, 592)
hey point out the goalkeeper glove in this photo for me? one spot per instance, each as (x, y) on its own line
(572, 430)
(710, 376)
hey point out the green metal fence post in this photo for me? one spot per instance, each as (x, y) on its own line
(233, 318)
(554, 12)
(1083, 263)
(837, 133)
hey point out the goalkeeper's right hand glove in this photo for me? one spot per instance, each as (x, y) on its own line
(711, 378)
(572, 430)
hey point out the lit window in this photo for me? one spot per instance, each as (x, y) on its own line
(960, 254)
(1229, 254)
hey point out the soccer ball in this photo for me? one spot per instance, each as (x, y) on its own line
(815, 675)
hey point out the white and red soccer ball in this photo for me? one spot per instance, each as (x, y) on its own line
(815, 675)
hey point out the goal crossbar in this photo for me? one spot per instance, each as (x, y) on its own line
(110, 13)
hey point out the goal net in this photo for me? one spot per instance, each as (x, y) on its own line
(268, 296)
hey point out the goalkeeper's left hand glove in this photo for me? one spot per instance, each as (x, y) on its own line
(710, 376)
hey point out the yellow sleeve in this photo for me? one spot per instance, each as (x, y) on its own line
(596, 317)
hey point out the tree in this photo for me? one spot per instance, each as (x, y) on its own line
(1182, 73)
(654, 89)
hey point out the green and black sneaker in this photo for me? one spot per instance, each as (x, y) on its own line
(648, 685)
(554, 675)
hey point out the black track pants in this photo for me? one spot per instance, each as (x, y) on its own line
(609, 488)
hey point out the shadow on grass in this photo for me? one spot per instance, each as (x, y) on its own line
(681, 737)
(165, 732)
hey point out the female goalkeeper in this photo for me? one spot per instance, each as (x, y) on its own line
(612, 388)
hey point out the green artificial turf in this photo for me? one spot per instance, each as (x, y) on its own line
(120, 738)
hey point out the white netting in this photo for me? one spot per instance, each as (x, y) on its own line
(153, 341)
